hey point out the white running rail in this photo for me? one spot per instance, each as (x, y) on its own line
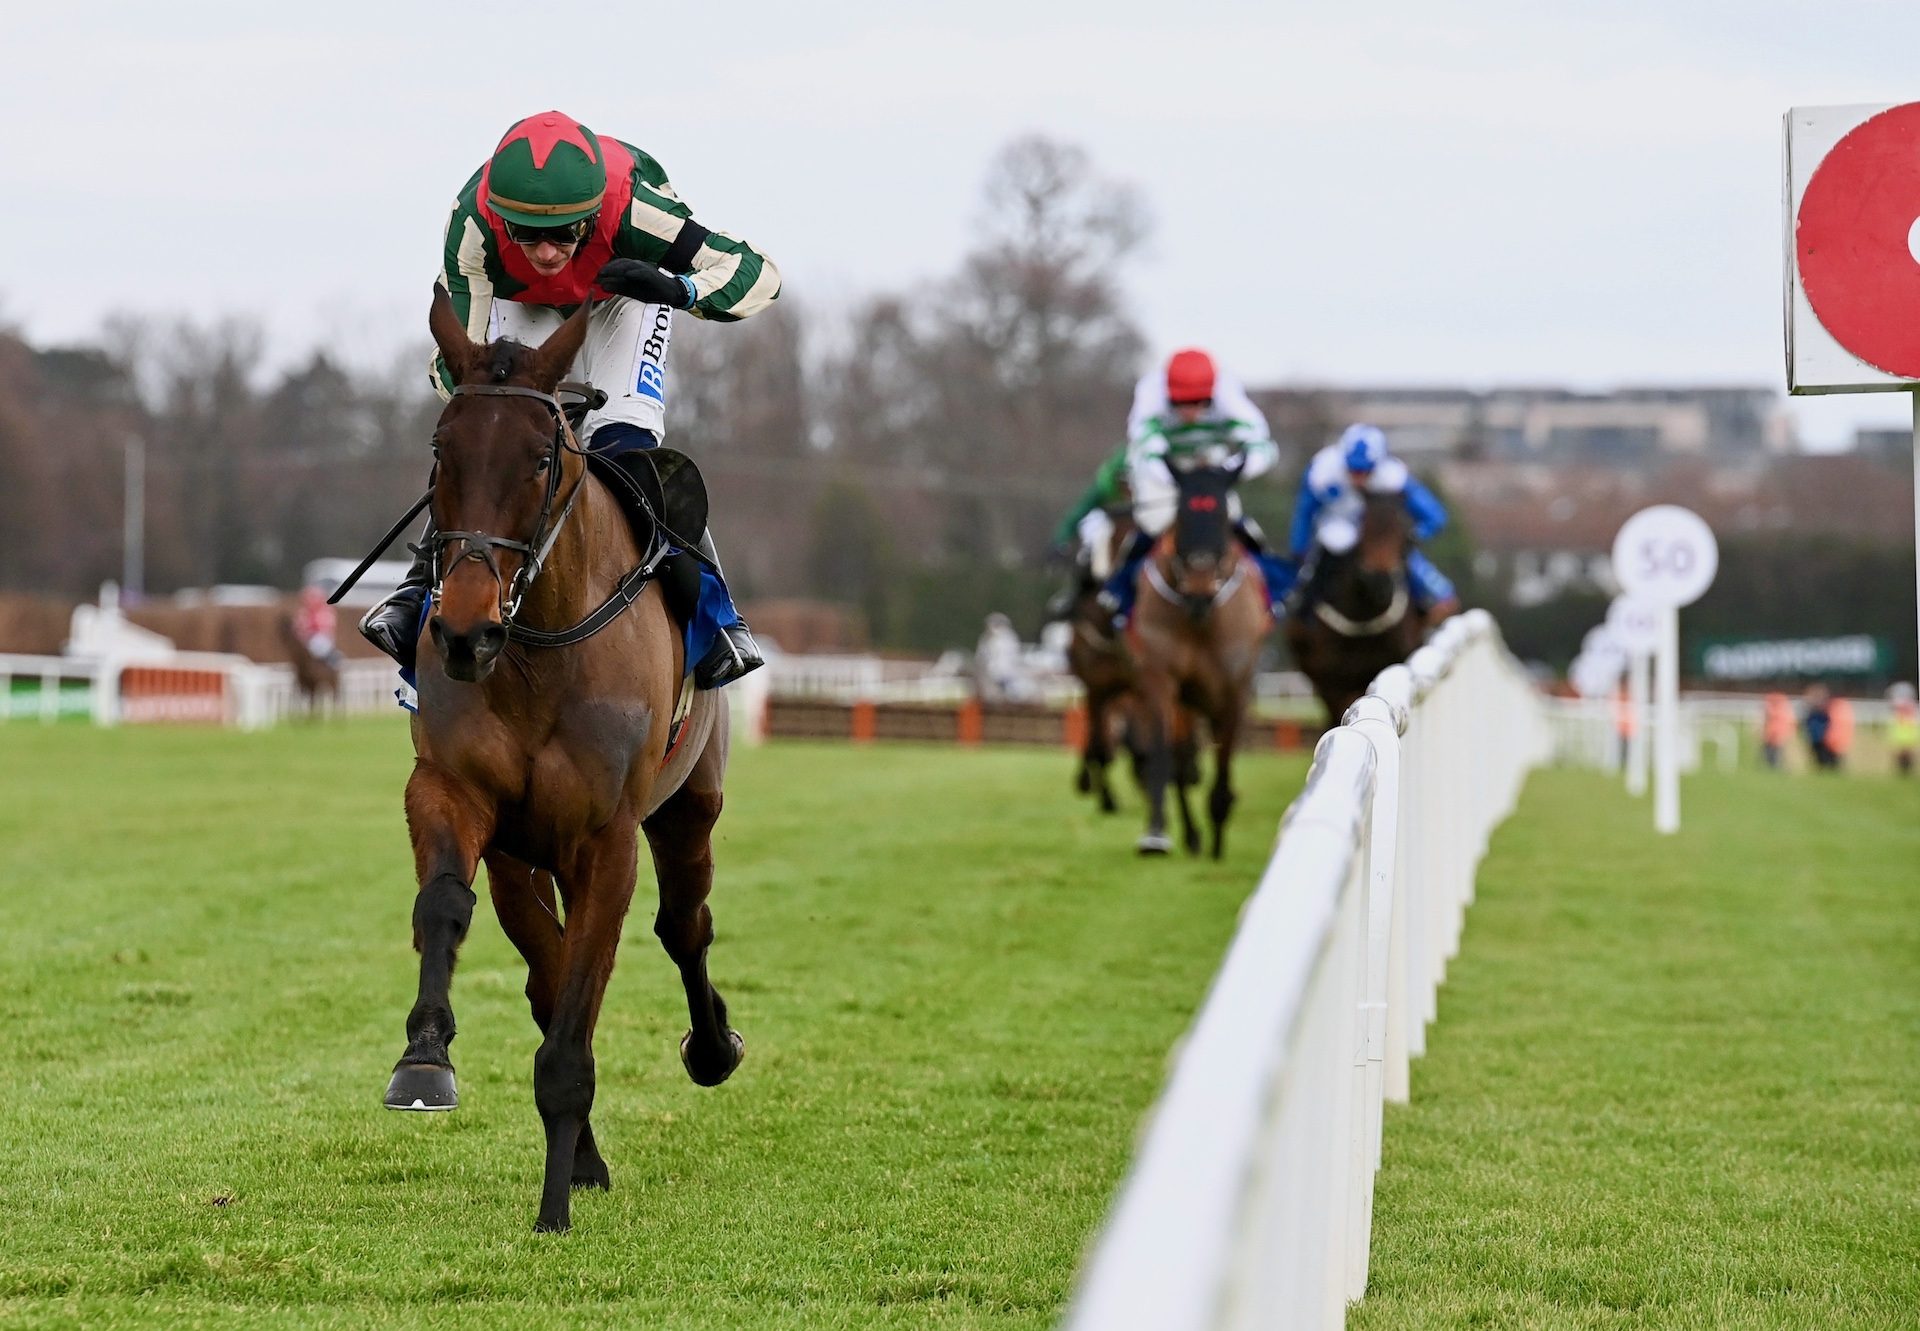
(1250, 1200)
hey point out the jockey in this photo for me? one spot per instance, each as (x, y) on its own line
(1190, 409)
(1327, 514)
(559, 215)
(1087, 530)
(314, 624)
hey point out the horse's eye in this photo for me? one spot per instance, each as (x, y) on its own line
(540, 467)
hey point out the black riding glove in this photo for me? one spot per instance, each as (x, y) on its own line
(639, 280)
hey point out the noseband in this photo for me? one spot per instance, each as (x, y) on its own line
(482, 545)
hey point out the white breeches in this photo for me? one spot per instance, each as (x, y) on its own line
(1096, 538)
(624, 356)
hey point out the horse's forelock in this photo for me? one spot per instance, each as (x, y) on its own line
(505, 355)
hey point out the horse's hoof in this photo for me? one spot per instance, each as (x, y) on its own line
(1155, 843)
(422, 1087)
(1082, 782)
(594, 1176)
(557, 1225)
(707, 1076)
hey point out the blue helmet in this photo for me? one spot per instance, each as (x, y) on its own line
(1363, 447)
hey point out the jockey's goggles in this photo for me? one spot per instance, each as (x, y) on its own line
(570, 234)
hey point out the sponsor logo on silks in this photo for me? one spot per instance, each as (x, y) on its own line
(652, 380)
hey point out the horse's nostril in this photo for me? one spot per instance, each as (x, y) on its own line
(489, 641)
(438, 630)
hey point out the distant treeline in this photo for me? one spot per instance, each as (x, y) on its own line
(908, 457)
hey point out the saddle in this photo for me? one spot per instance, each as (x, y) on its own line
(665, 499)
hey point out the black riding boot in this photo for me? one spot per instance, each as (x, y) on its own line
(734, 653)
(393, 625)
(1079, 582)
(1307, 587)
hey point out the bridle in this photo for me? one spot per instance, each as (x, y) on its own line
(482, 546)
(1217, 506)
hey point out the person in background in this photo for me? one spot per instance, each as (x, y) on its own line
(1903, 728)
(996, 660)
(1776, 727)
(1818, 724)
(315, 625)
(1623, 722)
(1840, 730)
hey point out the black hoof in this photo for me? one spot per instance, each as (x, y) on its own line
(559, 1225)
(422, 1087)
(704, 1075)
(592, 1175)
(1082, 782)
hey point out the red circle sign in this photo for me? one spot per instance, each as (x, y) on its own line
(1854, 241)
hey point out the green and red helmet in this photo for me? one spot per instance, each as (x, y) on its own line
(548, 171)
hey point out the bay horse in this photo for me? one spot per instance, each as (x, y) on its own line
(548, 761)
(1098, 656)
(1197, 629)
(1362, 618)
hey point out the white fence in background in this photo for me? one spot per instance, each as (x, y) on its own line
(210, 687)
(867, 678)
(1250, 1201)
(1586, 732)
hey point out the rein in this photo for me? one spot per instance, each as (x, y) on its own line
(1227, 588)
(1365, 628)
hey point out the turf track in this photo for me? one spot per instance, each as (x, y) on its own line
(957, 985)
(1675, 1080)
(1674, 1083)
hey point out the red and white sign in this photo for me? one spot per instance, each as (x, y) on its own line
(1853, 248)
(167, 693)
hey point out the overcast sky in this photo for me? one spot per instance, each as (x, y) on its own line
(1409, 193)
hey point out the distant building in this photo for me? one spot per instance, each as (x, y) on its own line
(1894, 446)
(1542, 529)
(1627, 427)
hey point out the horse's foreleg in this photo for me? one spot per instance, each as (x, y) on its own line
(1099, 750)
(449, 826)
(1186, 775)
(599, 890)
(524, 901)
(1157, 706)
(1220, 799)
(681, 835)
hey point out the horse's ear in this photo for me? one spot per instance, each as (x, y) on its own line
(552, 358)
(456, 348)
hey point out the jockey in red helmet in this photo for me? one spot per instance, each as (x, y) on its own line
(559, 215)
(1191, 408)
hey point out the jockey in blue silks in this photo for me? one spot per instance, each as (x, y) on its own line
(1332, 498)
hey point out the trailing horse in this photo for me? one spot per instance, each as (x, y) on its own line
(1197, 646)
(1098, 657)
(1358, 615)
(546, 742)
(316, 679)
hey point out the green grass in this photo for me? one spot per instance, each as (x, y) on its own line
(957, 984)
(1675, 1081)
